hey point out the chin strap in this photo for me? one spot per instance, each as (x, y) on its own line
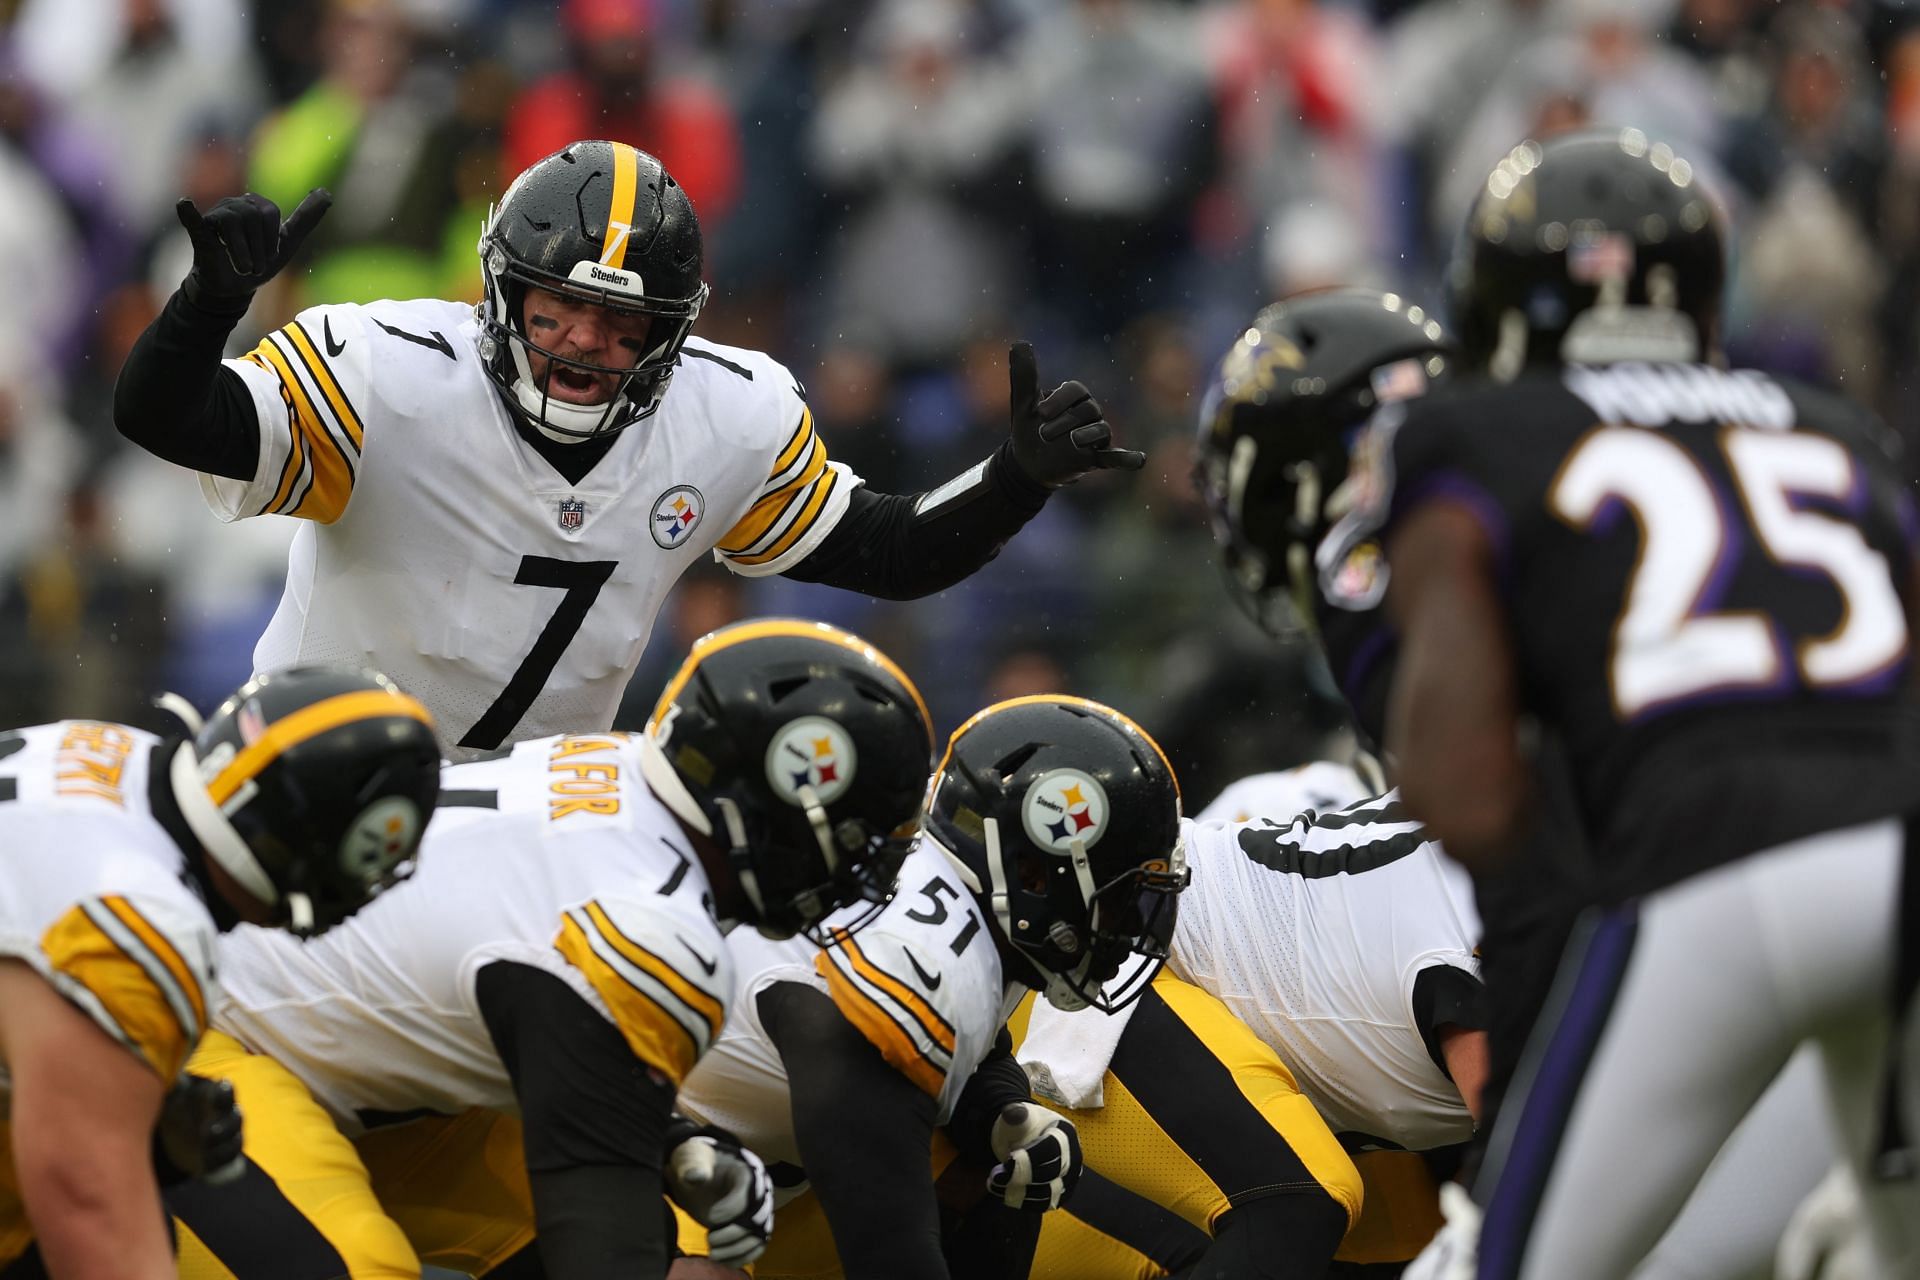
(216, 835)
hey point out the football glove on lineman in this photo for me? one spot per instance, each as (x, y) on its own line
(1039, 1154)
(242, 242)
(1059, 438)
(199, 1132)
(722, 1186)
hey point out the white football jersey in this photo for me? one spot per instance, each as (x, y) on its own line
(1321, 786)
(95, 895)
(557, 855)
(1312, 931)
(921, 980)
(442, 550)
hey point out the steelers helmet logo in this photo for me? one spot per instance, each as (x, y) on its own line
(812, 751)
(381, 838)
(1063, 806)
(675, 514)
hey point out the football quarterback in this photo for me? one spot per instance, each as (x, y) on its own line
(560, 955)
(303, 798)
(496, 501)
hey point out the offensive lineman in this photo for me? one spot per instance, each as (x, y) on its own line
(560, 955)
(304, 797)
(497, 501)
(1729, 670)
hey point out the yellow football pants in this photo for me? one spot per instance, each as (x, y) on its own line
(305, 1208)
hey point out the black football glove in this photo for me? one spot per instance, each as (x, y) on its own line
(1060, 438)
(241, 243)
(1039, 1154)
(722, 1186)
(199, 1132)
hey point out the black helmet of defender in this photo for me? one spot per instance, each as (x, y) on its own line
(806, 752)
(311, 787)
(603, 223)
(1063, 818)
(1592, 247)
(1277, 425)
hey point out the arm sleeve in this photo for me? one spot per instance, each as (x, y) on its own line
(900, 548)
(595, 1120)
(175, 399)
(865, 1134)
(998, 1081)
(1444, 995)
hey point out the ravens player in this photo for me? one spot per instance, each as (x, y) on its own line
(495, 501)
(301, 799)
(560, 955)
(1700, 583)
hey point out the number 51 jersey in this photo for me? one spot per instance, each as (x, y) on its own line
(440, 548)
(1706, 574)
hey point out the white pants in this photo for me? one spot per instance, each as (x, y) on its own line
(1669, 1020)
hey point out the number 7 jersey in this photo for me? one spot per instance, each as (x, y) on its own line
(441, 549)
(1706, 575)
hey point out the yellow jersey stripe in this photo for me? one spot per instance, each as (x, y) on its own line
(822, 490)
(886, 1035)
(291, 467)
(938, 1029)
(790, 451)
(332, 471)
(329, 385)
(700, 1001)
(163, 950)
(81, 955)
(766, 513)
(652, 1032)
(626, 169)
(309, 722)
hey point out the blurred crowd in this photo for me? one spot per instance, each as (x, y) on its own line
(890, 190)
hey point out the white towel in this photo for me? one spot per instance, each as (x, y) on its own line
(1066, 1054)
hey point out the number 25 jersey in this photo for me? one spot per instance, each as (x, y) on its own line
(441, 549)
(1706, 575)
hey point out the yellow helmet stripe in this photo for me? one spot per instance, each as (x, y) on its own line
(310, 722)
(713, 642)
(1064, 699)
(626, 171)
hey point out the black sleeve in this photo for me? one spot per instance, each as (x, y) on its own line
(902, 547)
(177, 401)
(997, 1081)
(595, 1120)
(1445, 995)
(865, 1134)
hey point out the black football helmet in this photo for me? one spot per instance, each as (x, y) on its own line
(1277, 426)
(1592, 247)
(1063, 818)
(310, 787)
(805, 751)
(604, 223)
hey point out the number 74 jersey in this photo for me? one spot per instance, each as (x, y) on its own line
(438, 547)
(1706, 574)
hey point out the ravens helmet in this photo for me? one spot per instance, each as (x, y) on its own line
(606, 224)
(1063, 818)
(1277, 425)
(805, 752)
(1594, 246)
(310, 787)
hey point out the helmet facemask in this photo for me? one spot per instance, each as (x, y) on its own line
(1079, 935)
(505, 346)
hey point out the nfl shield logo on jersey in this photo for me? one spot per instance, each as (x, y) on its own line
(675, 514)
(573, 514)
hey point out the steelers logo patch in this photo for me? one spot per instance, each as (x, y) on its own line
(675, 514)
(812, 751)
(381, 838)
(1063, 806)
